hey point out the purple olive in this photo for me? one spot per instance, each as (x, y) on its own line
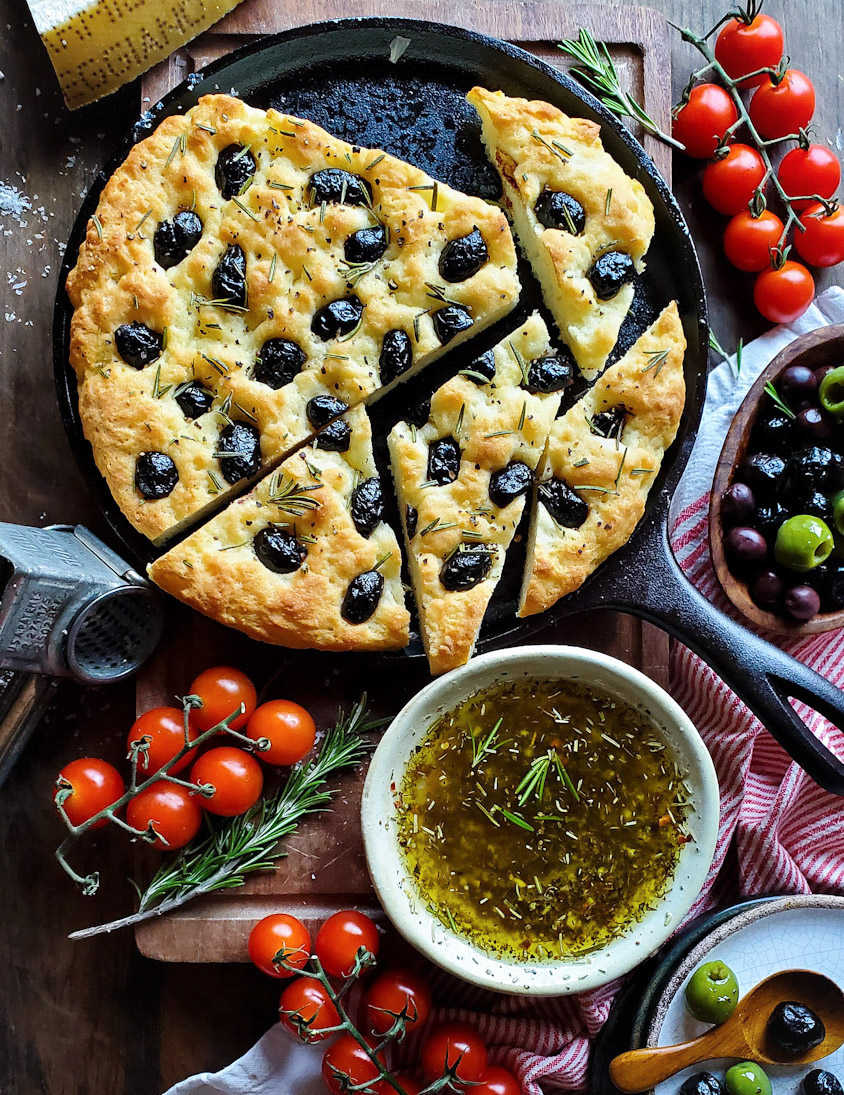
(737, 504)
(767, 588)
(821, 372)
(797, 385)
(815, 422)
(801, 602)
(746, 545)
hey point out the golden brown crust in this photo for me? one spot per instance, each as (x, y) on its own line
(613, 477)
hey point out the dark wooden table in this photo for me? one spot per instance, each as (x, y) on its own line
(95, 1018)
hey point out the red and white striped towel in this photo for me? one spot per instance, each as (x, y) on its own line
(787, 833)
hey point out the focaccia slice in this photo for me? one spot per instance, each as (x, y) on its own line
(601, 459)
(243, 264)
(583, 224)
(305, 559)
(462, 478)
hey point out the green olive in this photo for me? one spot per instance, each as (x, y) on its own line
(747, 1078)
(712, 992)
(803, 542)
(838, 511)
(831, 391)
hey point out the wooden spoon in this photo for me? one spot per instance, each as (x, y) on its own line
(743, 1035)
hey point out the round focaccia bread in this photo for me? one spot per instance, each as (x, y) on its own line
(304, 559)
(462, 478)
(227, 251)
(599, 215)
(602, 457)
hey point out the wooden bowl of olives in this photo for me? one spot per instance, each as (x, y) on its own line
(776, 518)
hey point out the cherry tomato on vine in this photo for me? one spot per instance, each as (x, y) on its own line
(498, 1081)
(279, 932)
(222, 690)
(236, 777)
(411, 1086)
(730, 181)
(822, 242)
(782, 294)
(748, 240)
(93, 784)
(174, 812)
(701, 122)
(743, 47)
(346, 1065)
(306, 1010)
(779, 109)
(813, 170)
(288, 727)
(393, 993)
(165, 728)
(454, 1046)
(339, 939)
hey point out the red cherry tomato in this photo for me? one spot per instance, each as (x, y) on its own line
(748, 240)
(346, 1065)
(783, 294)
(822, 242)
(307, 1011)
(780, 109)
(93, 784)
(411, 1086)
(731, 181)
(700, 124)
(814, 170)
(174, 812)
(236, 777)
(498, 1081)
(165, 728)
(394, 993)
(454, 1046)
(279, 932)
(222, 690)
(339, 939)
(288, 727)
(745, 47)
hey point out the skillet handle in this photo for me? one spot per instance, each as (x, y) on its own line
(761, 674)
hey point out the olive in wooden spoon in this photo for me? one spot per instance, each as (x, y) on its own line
(746, 1034)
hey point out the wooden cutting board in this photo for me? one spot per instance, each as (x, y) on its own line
(325, 869)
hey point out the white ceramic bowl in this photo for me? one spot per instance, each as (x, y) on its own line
(397, 891)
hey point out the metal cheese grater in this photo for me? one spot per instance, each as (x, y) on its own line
(69, 607)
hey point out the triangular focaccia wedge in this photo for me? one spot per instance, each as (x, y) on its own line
(243, 263)
(304, 559)
(462, 478)
(601, 459)
(583, 224)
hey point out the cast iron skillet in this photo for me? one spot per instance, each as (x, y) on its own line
(339, 74)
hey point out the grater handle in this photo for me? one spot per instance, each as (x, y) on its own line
(24, 699)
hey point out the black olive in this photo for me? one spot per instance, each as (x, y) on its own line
(763, 472)
(419, 413)
(396, 355)
(335, 438)
(610, 272)
(367, 245)
(821, 1082)
(228, 282)
(557, 209)
(137, 344)
(775, 433)
(362, 597)
(411, 518)
(551, 373)
(463, 257)
(451, 321)
(815, 468)
(340, 317)
(768, 517)
(175, 239)
(794, 1027)
(155, 474)
(509, 483)
(239, 451)
(443, 461)
(465, 569)
(702, 1083)
(279, 550)
(279, 361)
(565, 505)
(835, 589)
(817, 504)
(194, 399)
(235, 167)
(332, 184)
(484, 366)
(610, 423)
(323, 410)
(367, 505)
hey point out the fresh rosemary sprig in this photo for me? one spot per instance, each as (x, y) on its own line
(771, 391)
